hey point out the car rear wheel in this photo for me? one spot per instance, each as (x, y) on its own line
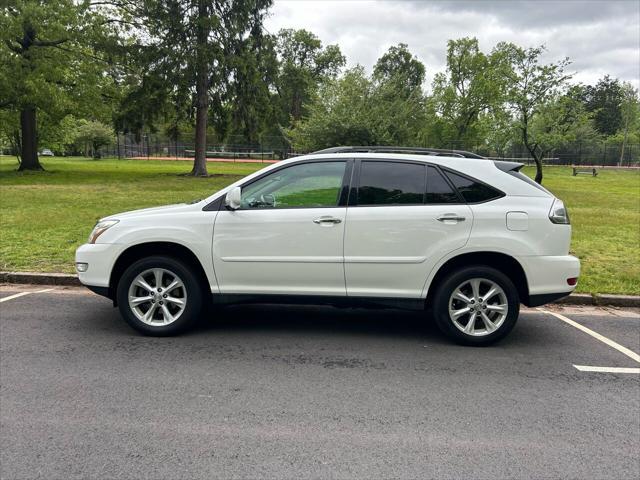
(476, 305)
(159, 296)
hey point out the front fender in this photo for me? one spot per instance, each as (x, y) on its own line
(193, 231)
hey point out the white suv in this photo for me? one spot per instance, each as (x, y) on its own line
(466, 238)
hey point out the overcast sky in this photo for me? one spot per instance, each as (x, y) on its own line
(599, 36)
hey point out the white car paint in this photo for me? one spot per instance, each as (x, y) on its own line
(382, 251)
(279, 251)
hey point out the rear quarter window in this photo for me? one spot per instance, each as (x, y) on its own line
(528, 180)
(473, 191)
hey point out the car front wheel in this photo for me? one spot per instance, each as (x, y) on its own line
(476, 305)
(159, 296)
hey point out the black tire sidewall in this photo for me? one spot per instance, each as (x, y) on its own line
(194, 295)
(445, 289)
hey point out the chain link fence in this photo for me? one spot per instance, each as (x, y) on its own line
(269, 148)
(274, 148)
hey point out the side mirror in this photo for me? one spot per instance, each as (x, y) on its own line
(233, 200)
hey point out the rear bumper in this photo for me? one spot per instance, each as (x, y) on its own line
(547, 277)
(543, 299)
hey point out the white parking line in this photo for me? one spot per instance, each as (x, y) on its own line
(22, 294)
(585, 368)
(629, 353)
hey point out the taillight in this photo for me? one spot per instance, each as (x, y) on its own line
(558, 213)
(572, 281)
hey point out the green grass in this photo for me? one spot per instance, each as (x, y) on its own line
(605, 215)
(44, 216)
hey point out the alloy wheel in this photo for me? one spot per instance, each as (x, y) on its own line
(478, 307)
(157, 297)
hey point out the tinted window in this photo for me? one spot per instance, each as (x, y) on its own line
(310, 185)
(526, 179)
(473, 191)
(390, 183)
(438, 189)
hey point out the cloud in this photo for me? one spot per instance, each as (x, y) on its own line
(600, 37)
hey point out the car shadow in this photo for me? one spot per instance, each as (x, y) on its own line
(319, 320)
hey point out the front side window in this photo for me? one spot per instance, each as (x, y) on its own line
(391, 183)
(310, 185)
(472, 190)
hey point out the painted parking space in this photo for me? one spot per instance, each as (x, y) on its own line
(621, 329)
(12, 296)
(269, 391)
(629, 353)
(8, 292)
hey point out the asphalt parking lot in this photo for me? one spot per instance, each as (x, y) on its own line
(304, 392)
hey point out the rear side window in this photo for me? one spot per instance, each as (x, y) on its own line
(472, 190)
(438, 189)
(526, 179)
(391, 183)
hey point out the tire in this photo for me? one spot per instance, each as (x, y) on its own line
(168, 317)
(490, 320)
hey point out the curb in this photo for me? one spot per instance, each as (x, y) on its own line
(40, 278)
(600, 299)
(68, 279)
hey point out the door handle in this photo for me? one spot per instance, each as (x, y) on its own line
(450, 216)
(321, 220)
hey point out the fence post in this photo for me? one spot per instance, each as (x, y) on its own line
(580, 153)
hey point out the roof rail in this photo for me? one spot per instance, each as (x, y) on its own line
(438, 152)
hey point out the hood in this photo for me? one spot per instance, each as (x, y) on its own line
(145, 212)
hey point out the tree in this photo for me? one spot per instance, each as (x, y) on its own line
(472, 84)
(188, 48)
(400, 67)
(93, 134)
(630, 112)
(531, 85)
(339, 115)
(251, 102)
(560, 121)
(604, 100)
(47, 65)
(497, 130)
(303, 65)
(356, 110)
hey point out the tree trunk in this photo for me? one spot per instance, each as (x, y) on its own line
(532, 150)
(537, 158)
(29, 140)
(200, 161)
(202, 94)
(538, 161)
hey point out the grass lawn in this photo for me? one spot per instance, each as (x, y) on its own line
(44, 216)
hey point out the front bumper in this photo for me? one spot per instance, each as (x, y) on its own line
(100, 259)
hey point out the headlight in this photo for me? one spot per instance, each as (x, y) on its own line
(100, 228)
(558, 213)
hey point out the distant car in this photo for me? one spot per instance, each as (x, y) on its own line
(46, 153)
(466, 237)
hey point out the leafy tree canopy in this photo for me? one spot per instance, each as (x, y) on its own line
(48, 65)
(400, 67)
